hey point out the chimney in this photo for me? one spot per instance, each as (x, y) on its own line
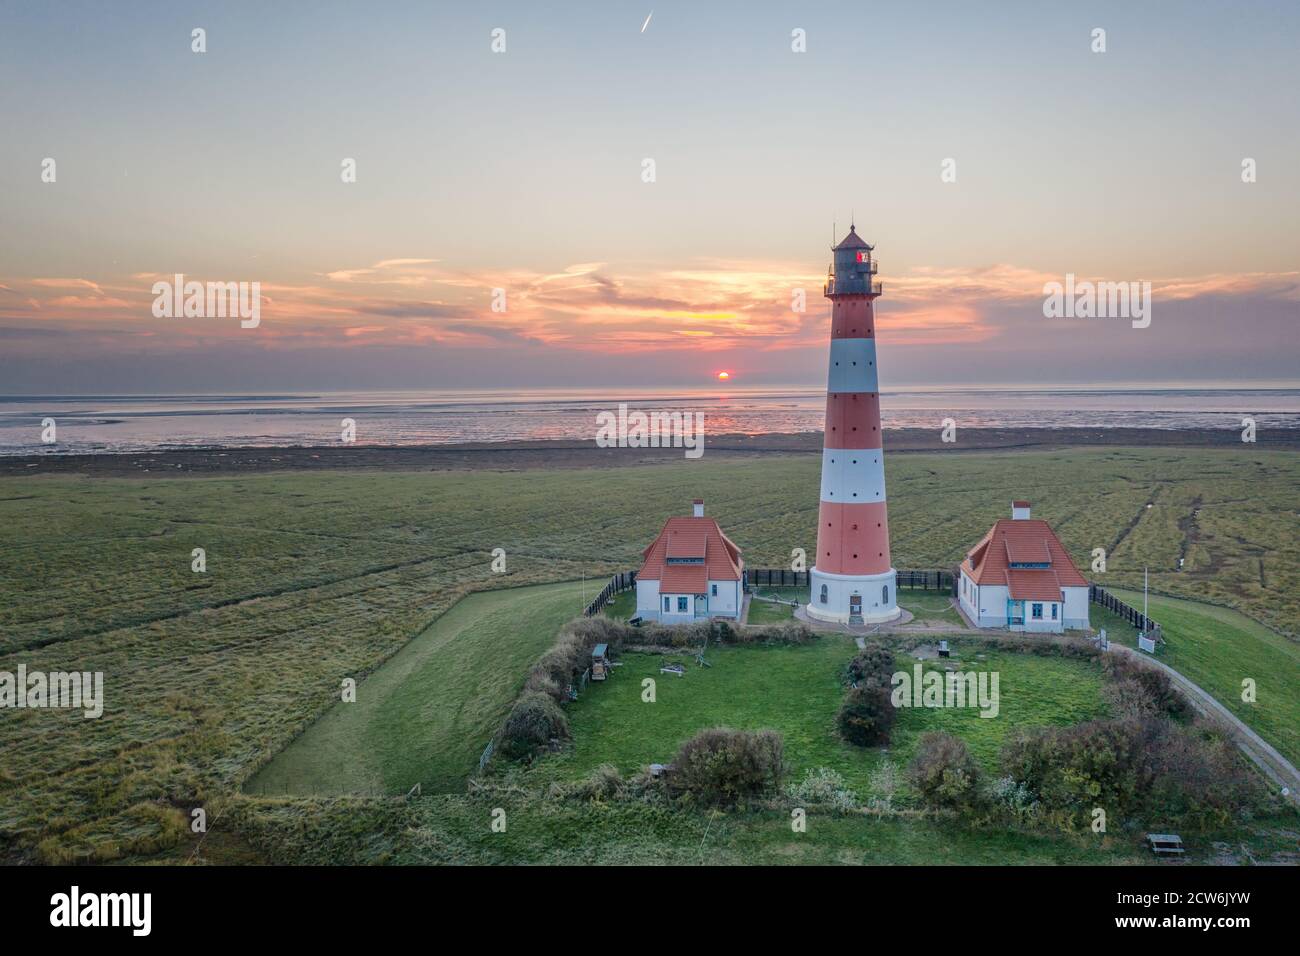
(1020, 510)
(699, 508)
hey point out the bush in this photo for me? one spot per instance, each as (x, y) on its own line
(1196, 775)
(875, 661)
(724, 766)
(533, 722)
(884, 781)
(1073, 769)
(867, 714)
(1135, 765)
(1013, 797)
(605, 782)
(944, 773)
(1130, 681)
(788, 633)
(823, 787)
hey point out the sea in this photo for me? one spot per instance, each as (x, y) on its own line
(132, 423)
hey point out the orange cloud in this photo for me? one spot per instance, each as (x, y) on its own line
(710, 306)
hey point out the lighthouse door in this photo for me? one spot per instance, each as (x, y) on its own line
(855, 605)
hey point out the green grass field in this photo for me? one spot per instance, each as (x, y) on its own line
(446, 829)
(315, 576)
(933, 606)
(425, 716)
(797, 690)
(1219, 648)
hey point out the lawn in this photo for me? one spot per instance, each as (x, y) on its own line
(622, 606)
(769, 612)
(313, 576)
(451, 829)
(426, 715)
(933, 606)
(797, 691)
(1218, 649)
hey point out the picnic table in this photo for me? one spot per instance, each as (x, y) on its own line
(1163, 844)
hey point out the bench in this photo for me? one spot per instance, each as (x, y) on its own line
(1163, 844)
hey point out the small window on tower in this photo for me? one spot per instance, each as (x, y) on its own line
(824, 594)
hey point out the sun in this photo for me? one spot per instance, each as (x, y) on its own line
(723, 376)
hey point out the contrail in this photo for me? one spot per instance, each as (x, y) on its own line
(647, 21)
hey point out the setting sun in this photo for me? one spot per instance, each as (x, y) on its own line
(723, 376)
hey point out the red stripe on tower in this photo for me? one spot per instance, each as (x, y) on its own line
(852, 579)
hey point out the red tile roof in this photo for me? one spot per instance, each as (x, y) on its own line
(691, 538)
(1033, 585)
(683, 579)
(1023, 541)
(688, 544)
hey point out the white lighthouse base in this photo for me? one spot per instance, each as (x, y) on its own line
(877, 594)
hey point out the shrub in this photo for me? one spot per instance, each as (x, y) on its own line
(724, 766)
(944, 773)
(1130, 680)
(873, 661)
(1010, 795)
(867, 714)
(1151, 766)
(1196, 775)
(792, 633)
(884, 781)
(823, 787)
(603, 783)
(533, 722)
(1072, 769)
(1136, 765)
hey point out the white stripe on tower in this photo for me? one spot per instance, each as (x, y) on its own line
(853, 366)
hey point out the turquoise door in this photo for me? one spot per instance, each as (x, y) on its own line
(1015, 612)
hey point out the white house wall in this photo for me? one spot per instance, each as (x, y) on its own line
(727, 603)
(647, 599)
(1076, 608)
(650, 602)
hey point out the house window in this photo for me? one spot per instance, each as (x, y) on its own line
(681, 605)
(824, 594)
(1053, 612)
(668, 606)
(714, 591)
(1036, 612)
(884, 595)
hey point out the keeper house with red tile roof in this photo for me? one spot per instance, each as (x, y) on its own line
(691, 571)
(1020, 577)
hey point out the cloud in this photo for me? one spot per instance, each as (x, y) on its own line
(705, 312)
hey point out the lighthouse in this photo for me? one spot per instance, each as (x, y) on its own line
(853, 581)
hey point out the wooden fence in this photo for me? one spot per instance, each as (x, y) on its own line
(938, 579)
(617, 584)
(1099, 595)
(775, 578)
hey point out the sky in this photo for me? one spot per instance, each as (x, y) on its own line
(524, 171)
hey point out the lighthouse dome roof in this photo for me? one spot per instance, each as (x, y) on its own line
(852, 241)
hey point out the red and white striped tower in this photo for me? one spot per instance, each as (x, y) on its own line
(852, 579)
